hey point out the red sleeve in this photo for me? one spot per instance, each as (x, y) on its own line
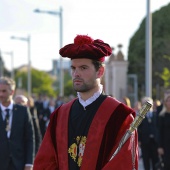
(123, 159)
(128, 152)
(46, 157)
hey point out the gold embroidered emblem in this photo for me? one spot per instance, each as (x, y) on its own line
(81, 150)
(73, 151)
(76, 151)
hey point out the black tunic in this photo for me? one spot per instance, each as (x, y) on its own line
(79, 122)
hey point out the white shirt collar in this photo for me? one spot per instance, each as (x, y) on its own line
(92, 98)
(9, 107)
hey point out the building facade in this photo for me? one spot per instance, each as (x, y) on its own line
(116, 75)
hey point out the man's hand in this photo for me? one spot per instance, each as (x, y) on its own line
(160, 151)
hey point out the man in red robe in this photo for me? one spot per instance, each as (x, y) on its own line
(84, 133)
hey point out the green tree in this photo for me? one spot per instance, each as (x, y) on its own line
(42, 82)
(166, 77)
(68, 85)
(69, 88)
(160, 48)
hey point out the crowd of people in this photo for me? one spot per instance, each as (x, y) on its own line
(83, 132)
(23, 122)
(154, 132)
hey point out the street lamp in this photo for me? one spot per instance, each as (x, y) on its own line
(58, 13)
(1, 66)
(12, 62)
(27, 39)
(148, 62)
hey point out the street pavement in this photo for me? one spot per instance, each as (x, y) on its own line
(141, 164)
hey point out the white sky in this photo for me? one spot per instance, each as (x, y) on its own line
(114, 22)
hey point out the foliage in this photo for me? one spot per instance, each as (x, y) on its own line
(42, 83)
(69, 88)
(68, 85)
(166, 77)
(160, 48)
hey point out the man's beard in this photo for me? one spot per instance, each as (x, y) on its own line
(82, 88)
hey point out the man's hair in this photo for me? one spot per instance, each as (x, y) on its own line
(97, 64)
(21, 99)
(8, 81)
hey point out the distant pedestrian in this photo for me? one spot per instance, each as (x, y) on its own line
(164, 132)
(16, 131)
(29, 102)
(148, 138)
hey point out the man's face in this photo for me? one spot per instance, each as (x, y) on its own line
(167, 103)
(5, 94)
(84, 75)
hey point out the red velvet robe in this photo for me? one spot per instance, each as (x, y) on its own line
(53, 153)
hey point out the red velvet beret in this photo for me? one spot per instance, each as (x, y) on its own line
(85, 47)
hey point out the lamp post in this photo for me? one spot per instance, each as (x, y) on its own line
(27, 39)
(148, 62)
(12, 62)
(1, 66)
(58, 13)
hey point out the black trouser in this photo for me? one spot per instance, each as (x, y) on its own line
(11, 165)
(149, 154)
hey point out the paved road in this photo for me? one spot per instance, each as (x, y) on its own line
(140, 164)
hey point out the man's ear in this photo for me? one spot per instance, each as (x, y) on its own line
(100, 72)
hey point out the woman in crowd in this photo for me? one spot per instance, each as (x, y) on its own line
(164, 132)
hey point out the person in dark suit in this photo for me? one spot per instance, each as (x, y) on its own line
(33, 111)
(148, 138)
(164, 132)
(47, 112)
(40, 109)
(29, 102)
(16, 131)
